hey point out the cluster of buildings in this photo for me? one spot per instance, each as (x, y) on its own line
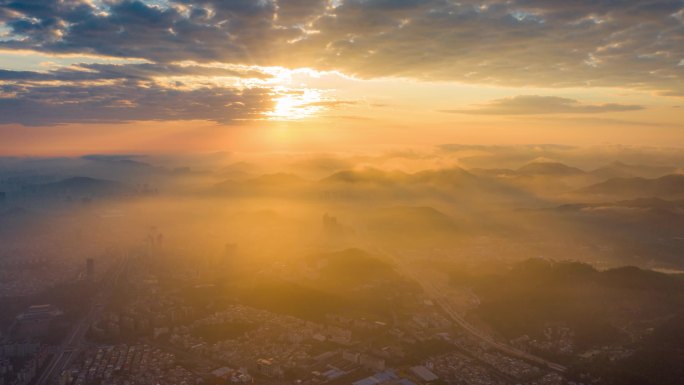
(460, 369)
(281, 347)
(35, 264)
(22, 353)
(555, 339)
(478, 366)
(20, 361)
(22, 275)
(341, 348)
(125, 364)
(284, 339)
(36, 320)
(388, 377)
(151, 314)
(158, 334)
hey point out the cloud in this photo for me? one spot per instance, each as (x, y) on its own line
(137, 71)
(598, 121)
(332, 103)
(633, 43)
(108, 93)
(585, 157)
(542, 105)
(123, 101)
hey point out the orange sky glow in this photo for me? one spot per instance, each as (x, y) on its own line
(325, 85)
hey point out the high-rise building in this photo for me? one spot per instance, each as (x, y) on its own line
(268, 367)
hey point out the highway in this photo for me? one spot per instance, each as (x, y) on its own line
(73, 342)
(439, 298)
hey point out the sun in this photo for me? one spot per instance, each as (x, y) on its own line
(296, 105)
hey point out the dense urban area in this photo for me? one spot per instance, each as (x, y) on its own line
(364, 277)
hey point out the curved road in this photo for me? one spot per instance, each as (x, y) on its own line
(438, 297)
(73, 342)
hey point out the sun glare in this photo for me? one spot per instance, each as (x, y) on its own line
(295, 105)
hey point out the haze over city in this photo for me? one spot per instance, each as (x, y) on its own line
(364, 192)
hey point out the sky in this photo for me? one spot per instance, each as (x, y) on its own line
(121, 76)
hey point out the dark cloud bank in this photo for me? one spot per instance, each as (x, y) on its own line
(541, 105)
(634, 44)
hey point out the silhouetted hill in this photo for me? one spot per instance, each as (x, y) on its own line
(618, 169)
(542, 179)
(294, 299)
(444, 177)
(116, 160)
(122, 168)
(351, 266)
(226, 185)
(363, 279)
(641, 231)
(349, 280)
(549, 169)
(415, 225)
(643, 203)
(494, 172)
(368, 176)
(657, 359)
(277, 180)
(448, 176)
(597, 306)
(453, 184)
(262, 184)
(663, 187)
(79, 187)
(239, 170)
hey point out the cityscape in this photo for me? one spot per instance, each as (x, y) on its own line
(341, 192)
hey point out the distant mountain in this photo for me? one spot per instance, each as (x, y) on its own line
(542, 179)
(446, 177)
(277, 179)
(452, 184)
(121, 167)
(532, 295)
(644, 203)
(122, 160)
(450, 180)
(346, 281)
(239, 170)
(663, 187)
(624, 309)
(360, 277)
(538, 168)
(618, 169)
(351, 265)
(400, 226)
(549, 169)
(262, 184)
(79, 186)
(368, 176)
(494, 172)
(443, 177)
